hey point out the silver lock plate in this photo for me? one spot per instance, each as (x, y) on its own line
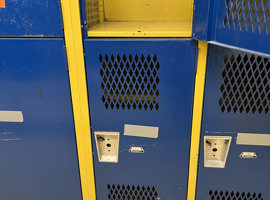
(249, 155)
(136, 150)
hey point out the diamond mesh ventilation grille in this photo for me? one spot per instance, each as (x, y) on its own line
(130, 82)
(246, 84)
(92, 13)
(248, 15)
(225, 195)
(126, 192)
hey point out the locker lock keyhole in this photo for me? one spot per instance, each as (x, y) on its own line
(214, 149)
(101, 139)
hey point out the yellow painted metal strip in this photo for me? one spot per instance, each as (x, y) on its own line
(101, 11)
(74, 47)
(196, 119)
(142, 29)
(138, 34)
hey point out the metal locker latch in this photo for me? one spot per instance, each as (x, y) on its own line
(107, 146)
(216, 150)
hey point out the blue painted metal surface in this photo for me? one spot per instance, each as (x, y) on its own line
(164, 165)
(28, 18)
(38, 156)
(245, 112)
(83, 19)
(238, 23)
(203, 19)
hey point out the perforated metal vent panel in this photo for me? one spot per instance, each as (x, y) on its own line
(126, 192)
(130, 82)
(248, 15)
(92, 12)
(226, 195)
(246, 84)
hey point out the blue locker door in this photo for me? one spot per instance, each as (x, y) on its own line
(244, 24)
(237, 100)
(148, 83)
(31, 18)
(38, 155)
(238, 23)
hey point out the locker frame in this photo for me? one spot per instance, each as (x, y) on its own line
(75, 55)
(197, 119)
(76, 69)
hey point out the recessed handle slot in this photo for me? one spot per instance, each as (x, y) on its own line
(107, 146)
(216, 150)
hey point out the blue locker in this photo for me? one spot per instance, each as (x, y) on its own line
(148, 83)
(238, 23)
(38, 155)
(31, 18)
(236, 102)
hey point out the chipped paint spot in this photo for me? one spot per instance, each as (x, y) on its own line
(10, 139)
(123, 150)
(6, 133)
(218, 132)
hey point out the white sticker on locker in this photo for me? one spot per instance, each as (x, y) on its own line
(11, 116)
(141, 131)
(253, 139)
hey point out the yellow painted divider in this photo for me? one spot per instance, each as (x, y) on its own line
(196, 120)
(75, 56)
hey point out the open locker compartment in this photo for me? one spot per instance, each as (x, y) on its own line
(236, 106)
(142, 18)
(142, 89)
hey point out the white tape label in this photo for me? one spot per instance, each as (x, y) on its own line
(253, 139)
(141, 131)
(11, 116)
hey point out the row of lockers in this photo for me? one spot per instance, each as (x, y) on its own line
(141, 100)
(235, 109)
(39, 157)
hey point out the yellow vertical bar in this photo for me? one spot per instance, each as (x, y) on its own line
(196, 119)
(75, 56)
(101, 11)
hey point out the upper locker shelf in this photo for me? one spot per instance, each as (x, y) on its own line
(140, 18)
(30, 18)
(239, 23)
